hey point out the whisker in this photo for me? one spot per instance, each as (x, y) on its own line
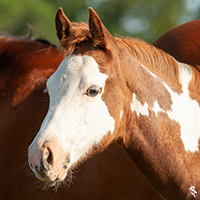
(48, 49)
(56, 185)
(43, 100)
(33, 134)
(40, 80)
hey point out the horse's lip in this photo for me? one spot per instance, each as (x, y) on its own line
(50, 177)
(63, 173)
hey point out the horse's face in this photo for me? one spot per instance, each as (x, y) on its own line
(77, 119)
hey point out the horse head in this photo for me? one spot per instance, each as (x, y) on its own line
(119, 89)
(78, 120)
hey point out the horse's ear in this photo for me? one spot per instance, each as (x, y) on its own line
(100, 35)
(63, 24)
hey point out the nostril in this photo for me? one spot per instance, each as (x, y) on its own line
(66, 162)
(49, 157)
(31, 166)
(46, 161)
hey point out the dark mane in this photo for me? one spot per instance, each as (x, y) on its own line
(43, 41)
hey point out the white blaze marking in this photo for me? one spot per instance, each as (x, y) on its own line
(185, 111)
(77, 120)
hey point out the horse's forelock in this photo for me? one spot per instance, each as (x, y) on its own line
(78, 33)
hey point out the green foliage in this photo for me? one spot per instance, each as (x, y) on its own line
(146, 19)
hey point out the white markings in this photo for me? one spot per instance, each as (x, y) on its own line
(75, 119)
(185, 111)
(193, 191)
(121, 114)
(138, 107)
(149, 71)
(185, 75)
(144, 109)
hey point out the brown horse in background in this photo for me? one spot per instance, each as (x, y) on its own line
(25, 65)
(182, 42)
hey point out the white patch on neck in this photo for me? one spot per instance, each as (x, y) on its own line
(185, 75)
(138, 107)
(149, 71)
(185, 111)
(144, 109)
(121, 114)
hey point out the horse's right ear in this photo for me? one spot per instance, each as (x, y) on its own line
(63, 25)
(100, 35)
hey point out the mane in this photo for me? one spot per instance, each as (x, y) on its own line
(41, 40)
(156, 60)
(78, 33)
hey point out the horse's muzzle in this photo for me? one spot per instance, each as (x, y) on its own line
(48, 162)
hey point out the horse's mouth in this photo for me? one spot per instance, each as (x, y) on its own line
(50, 176)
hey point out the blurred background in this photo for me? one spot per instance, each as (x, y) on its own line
(146, 19)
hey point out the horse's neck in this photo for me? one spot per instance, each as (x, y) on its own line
(154, 144)
(161, 135)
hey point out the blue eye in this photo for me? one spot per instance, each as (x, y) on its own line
(93, 91)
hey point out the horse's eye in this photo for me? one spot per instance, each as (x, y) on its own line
(93, 91)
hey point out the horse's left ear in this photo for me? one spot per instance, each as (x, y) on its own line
(100, 35)
(63, 24)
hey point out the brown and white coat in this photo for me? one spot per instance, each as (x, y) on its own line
(120, 89)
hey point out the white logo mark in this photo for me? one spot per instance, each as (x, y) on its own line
(193, 191)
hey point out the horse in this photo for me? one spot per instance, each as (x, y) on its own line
(25, 66)
(182, 42)
(115, 89)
